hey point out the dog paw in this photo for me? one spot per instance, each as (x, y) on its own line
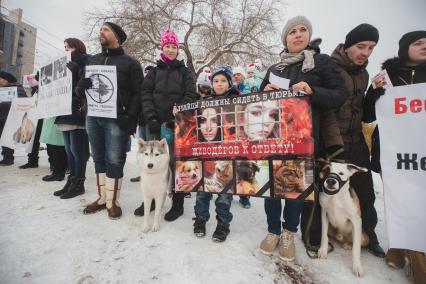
(155, 227)
(322, 252)
(347, 246)
(146, 229)
(358, 270)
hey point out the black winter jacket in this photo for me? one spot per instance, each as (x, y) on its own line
(75, 118)
(400, 75)
(129, 81)
(165, 86)
(326, 83)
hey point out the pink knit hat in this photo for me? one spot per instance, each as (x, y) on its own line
(169, 37)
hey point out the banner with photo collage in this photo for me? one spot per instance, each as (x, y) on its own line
(258, 144)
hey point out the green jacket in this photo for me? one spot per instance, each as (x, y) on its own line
(50, 134)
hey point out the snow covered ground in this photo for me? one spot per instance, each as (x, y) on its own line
(44, 239)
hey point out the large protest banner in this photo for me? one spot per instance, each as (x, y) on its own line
(258, 144)
(401, 117)
(102, 96)
(55, 87)
(8, 93)
(21, 124)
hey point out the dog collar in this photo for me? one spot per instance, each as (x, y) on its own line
(335, 177)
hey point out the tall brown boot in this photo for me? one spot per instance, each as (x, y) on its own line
(415, 265)
(112, 189)
(395, 258)
(100, 203)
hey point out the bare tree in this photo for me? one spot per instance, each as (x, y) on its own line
(211, 31)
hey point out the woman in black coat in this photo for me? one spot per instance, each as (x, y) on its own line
(73, 126)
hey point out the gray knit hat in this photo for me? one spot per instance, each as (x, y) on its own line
(298, 20)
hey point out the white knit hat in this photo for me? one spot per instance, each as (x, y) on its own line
(298, 20)
(240, 70)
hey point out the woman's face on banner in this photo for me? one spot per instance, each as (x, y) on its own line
(260, 119)
(209, 124)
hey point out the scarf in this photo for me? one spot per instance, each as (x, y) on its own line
(307, 56)
(165, 59)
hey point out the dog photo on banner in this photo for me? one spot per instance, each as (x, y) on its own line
(258, 144)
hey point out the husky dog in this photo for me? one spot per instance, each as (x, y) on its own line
(156, 178)
(341, 211)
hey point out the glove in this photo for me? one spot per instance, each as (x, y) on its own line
(170, 124)
(336, 153)
(377, 93)
(154, 126)
(37, 76)
(72, 66)
(84, 84)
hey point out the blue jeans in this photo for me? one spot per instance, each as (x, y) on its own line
(291, 215)
(109, 144)
(77, 149)
(223, 206)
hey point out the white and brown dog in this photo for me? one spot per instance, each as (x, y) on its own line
(341, 210)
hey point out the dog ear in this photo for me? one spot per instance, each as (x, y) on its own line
(354, 168)
(163, 143)
(141, 142)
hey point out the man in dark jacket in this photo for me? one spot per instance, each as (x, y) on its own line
(109, 137)
(8, 80)
(352, 59)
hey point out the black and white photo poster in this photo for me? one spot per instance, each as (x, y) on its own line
(102, 96)
(8, 93)
(55, 87)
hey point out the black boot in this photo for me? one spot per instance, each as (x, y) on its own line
(177, 207)
(29, 165)
(221, 232)
(54, 177)
(140, 211)
(6, 162)
(76, 188)
(199, 227)
(67, 185)
(373, 245)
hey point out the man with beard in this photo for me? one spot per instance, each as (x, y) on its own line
(108, 137)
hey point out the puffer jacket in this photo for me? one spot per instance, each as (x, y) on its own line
(165, 86)
(129, 81)
(329, 92)
(400, 75)
(355, 77)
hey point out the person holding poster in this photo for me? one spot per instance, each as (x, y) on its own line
(222, 86)
(108, 137)
(315, 74)
(8, 80)
(168, 84)
(406, 69)
(73, 126)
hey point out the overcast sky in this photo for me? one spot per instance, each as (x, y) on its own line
(331, 20)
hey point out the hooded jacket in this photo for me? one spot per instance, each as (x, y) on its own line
(165, 86)
(400, 75)
(355, 77)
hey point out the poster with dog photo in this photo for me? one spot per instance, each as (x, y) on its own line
(188, 176)
(219, 176)
(248, 132)
(252, 177)
(20, 124)
(55, 88)
(292, 178)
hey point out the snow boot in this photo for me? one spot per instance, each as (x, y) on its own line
(67, 185)
(221, 232)
(199, 227)
(415, 263)
(140, 211)
(177, 207)
(112, 190)
(100, 203)
(76, 188)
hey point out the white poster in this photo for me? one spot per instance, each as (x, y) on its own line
(55, 87)
(401, 117)
(8, 93)
(21, 124)
(102, 96)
